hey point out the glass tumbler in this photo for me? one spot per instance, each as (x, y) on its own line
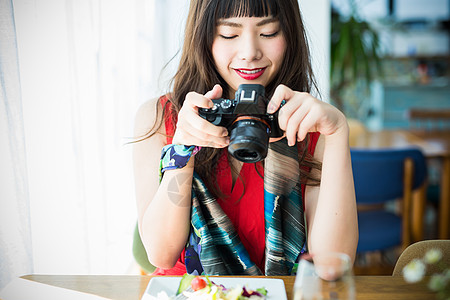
(325, 276)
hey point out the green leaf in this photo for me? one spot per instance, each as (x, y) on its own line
(209, 281)
(185, 282)
(262, 291)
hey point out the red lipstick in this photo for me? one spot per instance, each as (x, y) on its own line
(250, 74)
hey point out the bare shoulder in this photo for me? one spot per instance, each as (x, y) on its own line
(147, 117)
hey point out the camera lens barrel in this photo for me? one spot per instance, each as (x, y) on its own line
(249, 139)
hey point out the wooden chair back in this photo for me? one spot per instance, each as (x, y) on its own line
(418, 250)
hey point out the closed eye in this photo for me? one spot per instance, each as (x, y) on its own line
(270, 35)
(228, 37)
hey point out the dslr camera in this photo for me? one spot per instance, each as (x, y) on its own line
(247, 121)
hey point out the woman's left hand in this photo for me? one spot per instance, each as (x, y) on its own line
(302, 113)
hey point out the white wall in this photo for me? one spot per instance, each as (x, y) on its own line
(169, 31)
(317, 18)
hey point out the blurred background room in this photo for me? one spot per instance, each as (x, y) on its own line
(389, 67)
(408, 58)
(73, 74)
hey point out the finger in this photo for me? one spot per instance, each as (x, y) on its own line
(294, 123)
(286, 112)
(190, 120)
(215, 93)
(206, 132)
(187, 138)
(308, 124)
(194, 100)
(298, 103)
(281, 93)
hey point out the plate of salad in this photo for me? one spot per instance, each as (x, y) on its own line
(211, 287)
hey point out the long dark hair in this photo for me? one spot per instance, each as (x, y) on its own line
(197, 70)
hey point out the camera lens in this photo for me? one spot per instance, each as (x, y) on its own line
(249, 139)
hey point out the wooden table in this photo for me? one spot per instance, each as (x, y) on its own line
(131, 287)
(434, 144)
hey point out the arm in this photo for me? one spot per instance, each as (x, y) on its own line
(164, 208)
(159, 216)
(331, 207)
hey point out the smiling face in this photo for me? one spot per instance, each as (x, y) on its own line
(248, 50)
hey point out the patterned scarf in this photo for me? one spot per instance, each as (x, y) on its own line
(214, 247)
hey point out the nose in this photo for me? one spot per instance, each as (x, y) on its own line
(249, 49)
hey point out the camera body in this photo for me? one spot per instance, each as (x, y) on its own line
(246, 119)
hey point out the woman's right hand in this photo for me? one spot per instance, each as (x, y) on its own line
(195, 130)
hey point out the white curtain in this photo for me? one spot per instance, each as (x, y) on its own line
(15, 237)
(69, 91)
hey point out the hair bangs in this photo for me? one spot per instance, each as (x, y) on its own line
(246, 8)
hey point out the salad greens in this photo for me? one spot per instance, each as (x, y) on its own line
(185, 282)
(195, 287)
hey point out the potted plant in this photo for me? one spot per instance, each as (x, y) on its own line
(355, 62)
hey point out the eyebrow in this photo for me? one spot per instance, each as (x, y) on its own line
(238, 25)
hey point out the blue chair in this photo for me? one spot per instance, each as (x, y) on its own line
(381, 176)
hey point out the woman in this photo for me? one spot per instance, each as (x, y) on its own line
(212, 213)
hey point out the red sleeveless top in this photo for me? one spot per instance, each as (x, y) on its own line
(245, 210)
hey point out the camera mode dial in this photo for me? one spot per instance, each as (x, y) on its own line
(226, 105)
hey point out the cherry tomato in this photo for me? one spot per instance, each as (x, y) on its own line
(198, 283)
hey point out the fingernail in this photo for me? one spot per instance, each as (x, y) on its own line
(271, 108)
(225, 132)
